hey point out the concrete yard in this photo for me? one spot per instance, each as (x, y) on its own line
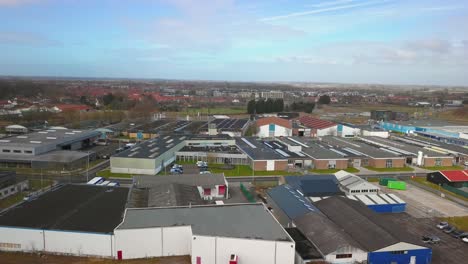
(423, 204)
(449, 250)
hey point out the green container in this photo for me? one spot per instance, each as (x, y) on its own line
(397, 185)
(384, 181)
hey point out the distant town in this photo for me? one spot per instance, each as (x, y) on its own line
(174, 171)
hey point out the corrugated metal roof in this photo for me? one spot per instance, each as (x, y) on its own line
(290, 201)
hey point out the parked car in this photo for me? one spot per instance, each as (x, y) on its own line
(176, 171)
(442, 225)
(202, 164)
(449, 229)
(205, 172)
(465, 239)
(177, 166)
(459, 234)
(431, 239)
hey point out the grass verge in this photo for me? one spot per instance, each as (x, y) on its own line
(245, 170)
(460, 222)
(330, 171)
(389, 169)
(441, 168)
(11, 200)
(108, 174)
(422, 180)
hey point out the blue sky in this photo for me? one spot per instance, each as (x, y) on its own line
(347, 41)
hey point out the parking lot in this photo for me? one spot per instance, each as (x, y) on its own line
(449, 250)
(423, 204)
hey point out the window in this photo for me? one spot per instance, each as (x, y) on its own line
(332, 164)
(290, 161)
(438, 162)
(17, 151)
(399, 252)
(28, 151)
(342, 256)
(389, 163)
(6, 150)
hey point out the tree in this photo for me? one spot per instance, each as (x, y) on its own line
(251, 107)
(278, 105)
(83, 99)
(260, 106)
(269, 106)
(108, 99)
(324, 99)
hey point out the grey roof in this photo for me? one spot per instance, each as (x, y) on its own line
(291, 202)
(358, 147)
(397, 146)
(151, 149)
(204, 180)
(350, 181)
(316, 150)
(315, 185)
(59, 156)
(260, 149)
(304, 247)
(422, 141)
(252, 221)
(368, 229)
(46, 137)
(174, 195)
(324, 234)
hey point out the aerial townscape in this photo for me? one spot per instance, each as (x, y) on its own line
(233, 132)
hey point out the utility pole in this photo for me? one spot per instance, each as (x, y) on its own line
(87, 168)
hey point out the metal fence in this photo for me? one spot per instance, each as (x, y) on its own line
(455, 190)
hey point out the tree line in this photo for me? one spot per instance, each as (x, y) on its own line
(265, 106)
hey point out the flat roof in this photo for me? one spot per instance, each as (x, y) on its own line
(316, 150)
(47, 137)
(260, 149)
(315, 185)
(204, 180)
(359, 148)
(85, 208)
(423, 141)
(248, 221)
(62, 156)
(290, 201)
(151, 149)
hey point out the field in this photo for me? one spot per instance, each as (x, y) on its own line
(22, 258)
(389, 169)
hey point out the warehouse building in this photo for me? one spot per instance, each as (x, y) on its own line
(73, 220)
(229, 126)
(314, 185)
(456, 179)
(10, 184)
(353, 185)
(362, 154)
(209, 234)
(414, 155)
(148, 157)
(273, 127)
(208, 187)
(52, 148)
(319, 127)
(321, 156)
(382, 238)
(381, 203)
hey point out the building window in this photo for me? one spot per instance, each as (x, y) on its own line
(399, 252)
(17, 151)
(342, 256)
(389, 163)
(290, 161)
(28, 151)
(438, 162)
(6, 150)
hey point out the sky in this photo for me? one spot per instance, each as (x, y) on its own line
(341, 41)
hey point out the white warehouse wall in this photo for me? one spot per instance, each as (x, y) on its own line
(138, 243)
(264, 131)
(214, 250)
(327, 131)
(357, 256)
(28, 239)
(77, 243)
(153, 242)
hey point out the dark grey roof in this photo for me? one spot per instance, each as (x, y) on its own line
(174, 195)
(315, 185)
(153, 148)
(204, 180)
(358, 147)
(292, 203)
(260, 149)
(315, 149)
(59, 156)
(252, 221)
(399, 146)
(86, 208)
(367, 228)
(324, 234)
(48, 137)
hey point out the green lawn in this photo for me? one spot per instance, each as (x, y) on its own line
(331, 171)
(245, 170)
(460, 222)
(108, 174)
(11, 200)
(441, 168)
(422, 180)
(373, 179)
(36, 184)
(389, 169)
